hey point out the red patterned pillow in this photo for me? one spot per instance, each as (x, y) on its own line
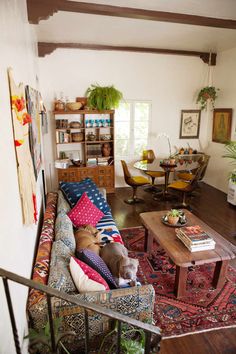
(85, 212)
(86, 278)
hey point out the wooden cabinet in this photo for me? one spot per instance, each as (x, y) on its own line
(88, 136)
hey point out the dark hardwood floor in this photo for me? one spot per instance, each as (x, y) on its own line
(211, 206)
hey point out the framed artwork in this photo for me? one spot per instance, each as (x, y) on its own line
(33, 107)
(222, 120)
(190, 124)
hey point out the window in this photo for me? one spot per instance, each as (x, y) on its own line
(132, 120)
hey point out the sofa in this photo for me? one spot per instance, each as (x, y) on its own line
(51, 267)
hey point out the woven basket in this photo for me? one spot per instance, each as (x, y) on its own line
(75, 125)
(73, 106)
(77, 137)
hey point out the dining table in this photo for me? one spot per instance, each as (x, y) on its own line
(182, 163)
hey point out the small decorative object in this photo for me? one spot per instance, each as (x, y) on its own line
(106, 149)
(63, 163)
(76, 162)
(208, 93)
(105, 137)
(103, 97)
(91, 136)
(77, 137)
(73, 106)
(75, 125)
(82, 100)
(174, 217)
(222, 118)
(190, 124)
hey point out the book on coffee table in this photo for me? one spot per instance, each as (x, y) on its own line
(195, 239)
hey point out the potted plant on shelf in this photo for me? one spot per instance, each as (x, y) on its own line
(207, 93)
(103, 97)
(231, 154)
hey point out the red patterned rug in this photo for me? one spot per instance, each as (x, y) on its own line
(202, 309)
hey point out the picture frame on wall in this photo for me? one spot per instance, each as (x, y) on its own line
(222, 121)
(190, 124)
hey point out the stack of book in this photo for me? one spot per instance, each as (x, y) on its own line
(103, 161)
(195, 239)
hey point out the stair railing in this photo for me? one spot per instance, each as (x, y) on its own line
(152, 333)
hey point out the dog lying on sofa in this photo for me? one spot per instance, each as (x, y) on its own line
(115, 255)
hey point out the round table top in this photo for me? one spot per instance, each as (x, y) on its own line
(182, 163)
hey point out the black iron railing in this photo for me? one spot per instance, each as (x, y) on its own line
(152, 333)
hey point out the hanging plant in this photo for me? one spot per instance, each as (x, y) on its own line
(103, 97)
(208, 93)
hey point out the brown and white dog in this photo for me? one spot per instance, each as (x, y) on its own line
(85, 237)
(115, 255)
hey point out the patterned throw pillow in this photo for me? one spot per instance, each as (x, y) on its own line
(73, 191)
(86, 278)
(59, 276)
(85, 213)
(97, 263)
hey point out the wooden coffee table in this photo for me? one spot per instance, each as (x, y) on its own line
(180, 255)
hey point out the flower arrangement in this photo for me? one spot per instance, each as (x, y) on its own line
(169, 146)
(207, 93)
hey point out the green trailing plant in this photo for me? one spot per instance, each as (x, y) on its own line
(132, 340)
(103, 97)
(230, 147)
(41, 340)
(207, 93)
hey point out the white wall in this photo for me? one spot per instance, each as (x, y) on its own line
(170, 82)
(219, 168)
(18, 50)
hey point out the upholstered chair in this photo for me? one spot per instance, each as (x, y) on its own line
(134, 182)
(149, 156)
(187, 186)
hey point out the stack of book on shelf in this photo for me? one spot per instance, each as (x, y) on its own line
(195, 239)
(92, 161)
(62, 137)
(103, 161)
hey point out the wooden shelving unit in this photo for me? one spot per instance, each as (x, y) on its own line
(95, 125)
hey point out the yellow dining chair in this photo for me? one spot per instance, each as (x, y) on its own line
(149, 155)
(134, 182)
(187, 186)
(188, 176)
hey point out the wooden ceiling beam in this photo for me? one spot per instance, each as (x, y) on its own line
(43, 9)
(45, 48)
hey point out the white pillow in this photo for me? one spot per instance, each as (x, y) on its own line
(86, 278)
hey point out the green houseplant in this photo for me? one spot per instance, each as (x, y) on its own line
(103, 97)
(173, 216)
(230, 147)
(207, 93)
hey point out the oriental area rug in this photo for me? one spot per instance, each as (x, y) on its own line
(202, 309)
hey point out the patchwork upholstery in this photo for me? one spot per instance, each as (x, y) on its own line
(85, 212)
(74, 190)
(59, 275)
(63, 207)
(136, 302)
(64, 231)
(41, 266)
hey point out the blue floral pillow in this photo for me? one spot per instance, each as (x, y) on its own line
(74, 190)
(97, 263)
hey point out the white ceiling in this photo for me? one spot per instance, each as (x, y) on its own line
(95, 29)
